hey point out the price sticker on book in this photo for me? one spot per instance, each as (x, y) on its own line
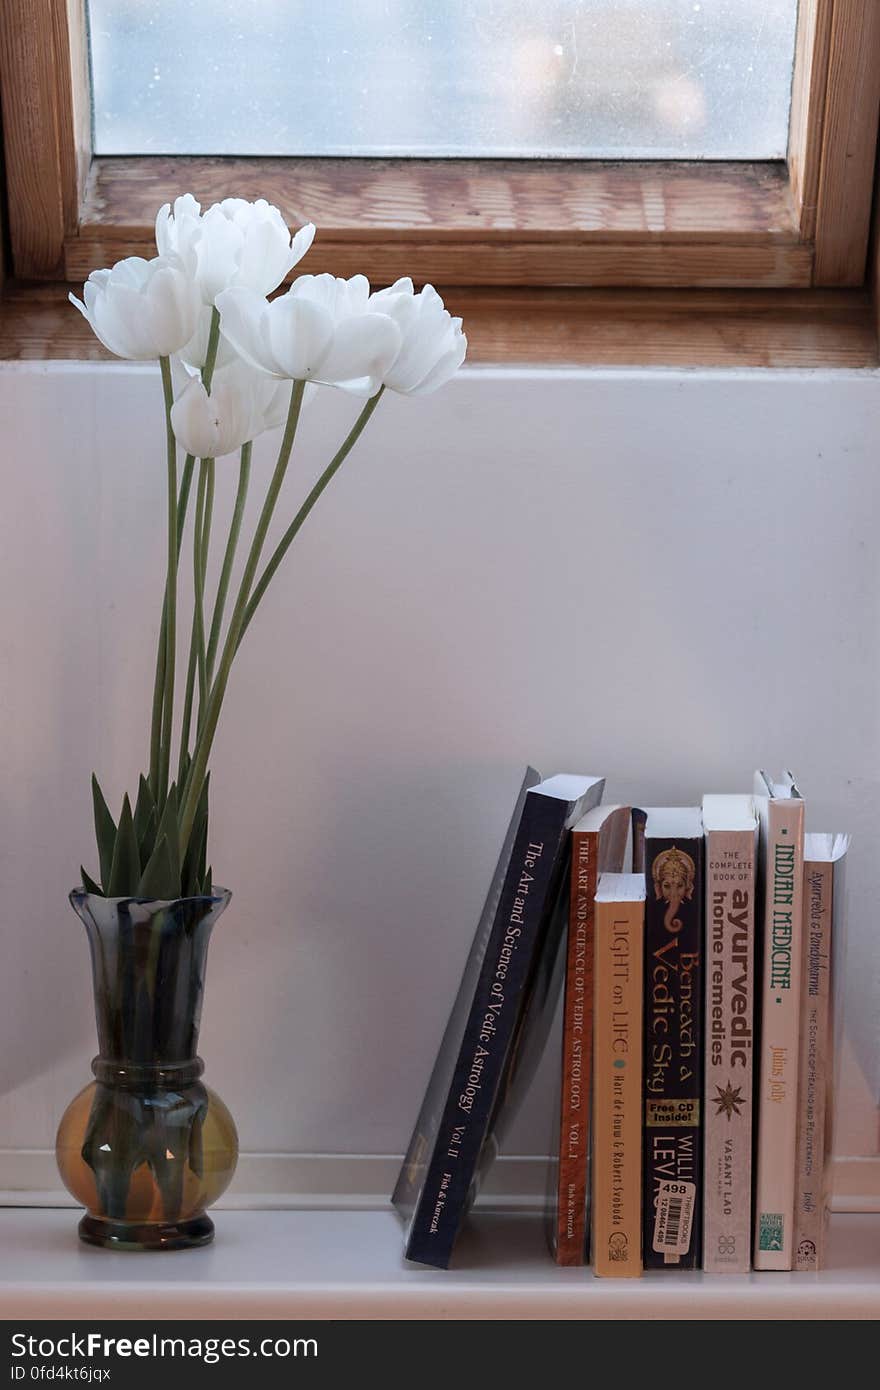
(674, 1217)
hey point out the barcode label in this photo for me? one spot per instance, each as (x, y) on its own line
(674, 1217)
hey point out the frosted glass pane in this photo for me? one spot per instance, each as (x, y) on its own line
(631, 79)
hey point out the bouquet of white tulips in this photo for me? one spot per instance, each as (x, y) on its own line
(233, 365)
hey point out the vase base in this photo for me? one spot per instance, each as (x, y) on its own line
(147, 1235)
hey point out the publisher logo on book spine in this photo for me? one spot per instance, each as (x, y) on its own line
(770, 1231)
(618, 1247)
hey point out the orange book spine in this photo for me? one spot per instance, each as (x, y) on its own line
(577, 1038)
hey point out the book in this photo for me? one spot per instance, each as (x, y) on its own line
(781, 859)
(598, 846)
(616, 1207)
(516, 941)
(731, 829)
(824, 858)
(672, 1079)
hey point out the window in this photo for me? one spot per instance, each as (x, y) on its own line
(642, 146)
(570, 79)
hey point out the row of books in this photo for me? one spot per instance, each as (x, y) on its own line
(697, 1038)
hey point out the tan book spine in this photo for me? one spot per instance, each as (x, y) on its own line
(782, 845)
(729, 1034)
(811, 1204)
(617, 1090)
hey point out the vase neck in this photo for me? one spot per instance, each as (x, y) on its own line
(148, 973)
(137, 1076)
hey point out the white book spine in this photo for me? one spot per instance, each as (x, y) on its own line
(729, 1035)
(782, 846)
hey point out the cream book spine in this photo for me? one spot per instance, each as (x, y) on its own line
(617, 1077)
(823, 929)
(731, 855)
(782, 857)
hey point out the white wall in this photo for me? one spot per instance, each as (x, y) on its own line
(668, 577)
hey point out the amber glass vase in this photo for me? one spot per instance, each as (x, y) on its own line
(147, 1147)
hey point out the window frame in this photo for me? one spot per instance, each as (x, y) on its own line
(529, 226)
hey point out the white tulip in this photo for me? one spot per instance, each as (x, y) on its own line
(141, 309)
(194, 353)
(323, 330)
(235, 243)
(432, 346)
(243, 404)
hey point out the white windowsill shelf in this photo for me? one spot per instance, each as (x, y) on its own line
(348, 1264)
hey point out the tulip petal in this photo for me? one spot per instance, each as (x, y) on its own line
(242, 319)
(218, 251)
(120, 321)
(420, 352)
(274, 403)
(264, 258)
(194, 353)
(216, 425)
(445, 368)
(300, 333)
(363, 347)
(173, 305)
(90, 320)
(302, 242)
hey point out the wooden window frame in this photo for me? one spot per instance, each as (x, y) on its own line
(799, 226)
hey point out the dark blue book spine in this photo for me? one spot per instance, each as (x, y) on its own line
(672, 1079)
(524, 910)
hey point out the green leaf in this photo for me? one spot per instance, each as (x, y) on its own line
(105, 833)
(147, 843)
(169, 830)
(183, 770)
(89, 883)
(194, 860)
(125, 871)
(158, 880)
(206, 886)
(145, 808)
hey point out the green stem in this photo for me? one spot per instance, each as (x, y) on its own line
(170, 587)
(206, 520)
(207, 517)
(287, 539)
(159, 679)
(244, 474)
(186, 720)
(183, 497)
(211, 351)
(205, 738)
(193, 661)
(204, 545)
(200, 563)
(207, 378)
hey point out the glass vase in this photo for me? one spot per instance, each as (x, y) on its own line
(147, 1147)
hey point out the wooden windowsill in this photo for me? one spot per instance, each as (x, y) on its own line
(563, 327)
(466, 222)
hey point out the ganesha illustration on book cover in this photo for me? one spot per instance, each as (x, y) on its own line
(674, 874)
